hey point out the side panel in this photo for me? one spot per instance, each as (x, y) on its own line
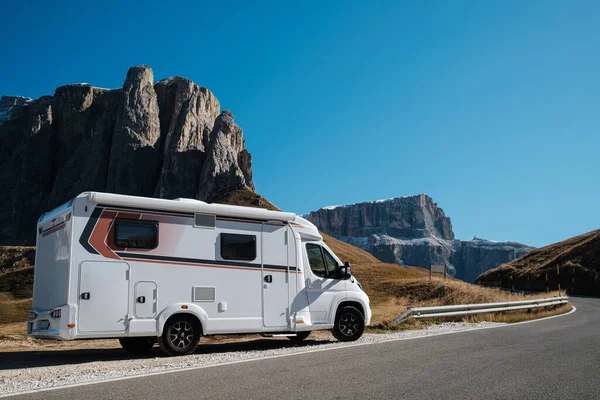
(52, 263)
(103, 296)
(189, 256)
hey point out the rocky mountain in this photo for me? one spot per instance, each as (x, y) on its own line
(165, 139)
(8, 103)
(413, 230)
(573, 263)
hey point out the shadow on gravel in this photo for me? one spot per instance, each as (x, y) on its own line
(32, 359)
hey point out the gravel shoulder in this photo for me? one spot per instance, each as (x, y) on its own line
(34, 368)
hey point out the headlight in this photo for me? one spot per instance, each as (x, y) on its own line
(56, 313)
(31, 316)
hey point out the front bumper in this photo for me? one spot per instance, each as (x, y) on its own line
(368, 315)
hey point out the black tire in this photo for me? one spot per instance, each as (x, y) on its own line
(181, 335)
(137, 345)
(300, 336)
(349, 324)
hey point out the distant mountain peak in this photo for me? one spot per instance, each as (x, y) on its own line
(413, 230)
(388, 200)
(9, 103)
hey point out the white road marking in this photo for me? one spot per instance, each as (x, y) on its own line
(122, 378)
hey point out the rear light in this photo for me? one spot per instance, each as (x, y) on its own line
(56, 313)
(32, 315)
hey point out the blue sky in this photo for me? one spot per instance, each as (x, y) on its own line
(490, 107)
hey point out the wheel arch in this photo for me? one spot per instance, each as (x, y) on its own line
(352, 303)
(178, 309)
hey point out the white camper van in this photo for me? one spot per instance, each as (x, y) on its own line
(150, 270)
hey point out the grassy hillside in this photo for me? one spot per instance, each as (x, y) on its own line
(16, 283)
(577, 259)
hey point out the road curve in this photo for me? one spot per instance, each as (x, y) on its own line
(557, 358)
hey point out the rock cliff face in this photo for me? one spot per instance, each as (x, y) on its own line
(166, 139)
(7, 103)
(414, 231)
(403, 217)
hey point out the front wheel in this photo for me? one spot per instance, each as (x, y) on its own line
(349, 324)
(137, 345)
(181, 336)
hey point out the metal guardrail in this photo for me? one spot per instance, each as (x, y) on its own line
(483, 308)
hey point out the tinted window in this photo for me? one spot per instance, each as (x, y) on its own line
(331, 264)
(315, 259)
(238, 247)
(136, 234)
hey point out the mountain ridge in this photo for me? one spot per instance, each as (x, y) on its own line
(156, 139)
(413, 230)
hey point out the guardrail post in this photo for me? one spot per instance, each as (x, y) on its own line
(558, 275)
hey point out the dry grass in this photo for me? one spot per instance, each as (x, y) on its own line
(15, 330)
(13, 309)
(578, 259)
(519, 316)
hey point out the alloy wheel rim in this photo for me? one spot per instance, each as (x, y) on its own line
(349, 324)
(181, 334)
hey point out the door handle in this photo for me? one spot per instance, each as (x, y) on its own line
(141, 299)
(269, 278)
(85, 296)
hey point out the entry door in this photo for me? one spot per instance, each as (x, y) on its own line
(103, 296)
(322, 285)
(275, 276)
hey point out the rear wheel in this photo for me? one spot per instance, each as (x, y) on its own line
(137, 345)
(349, 324)
(300, 336)
(181, 335)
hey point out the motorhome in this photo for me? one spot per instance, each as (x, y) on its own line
(148, 271)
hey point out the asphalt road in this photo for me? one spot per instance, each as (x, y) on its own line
(553, 359)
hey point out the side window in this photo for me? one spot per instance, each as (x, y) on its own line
(238, 247)
(135, 234)
(331, 264)
(315, 258)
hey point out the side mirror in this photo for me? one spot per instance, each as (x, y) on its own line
(347, 271)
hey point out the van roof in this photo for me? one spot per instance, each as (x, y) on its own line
(187, 205)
